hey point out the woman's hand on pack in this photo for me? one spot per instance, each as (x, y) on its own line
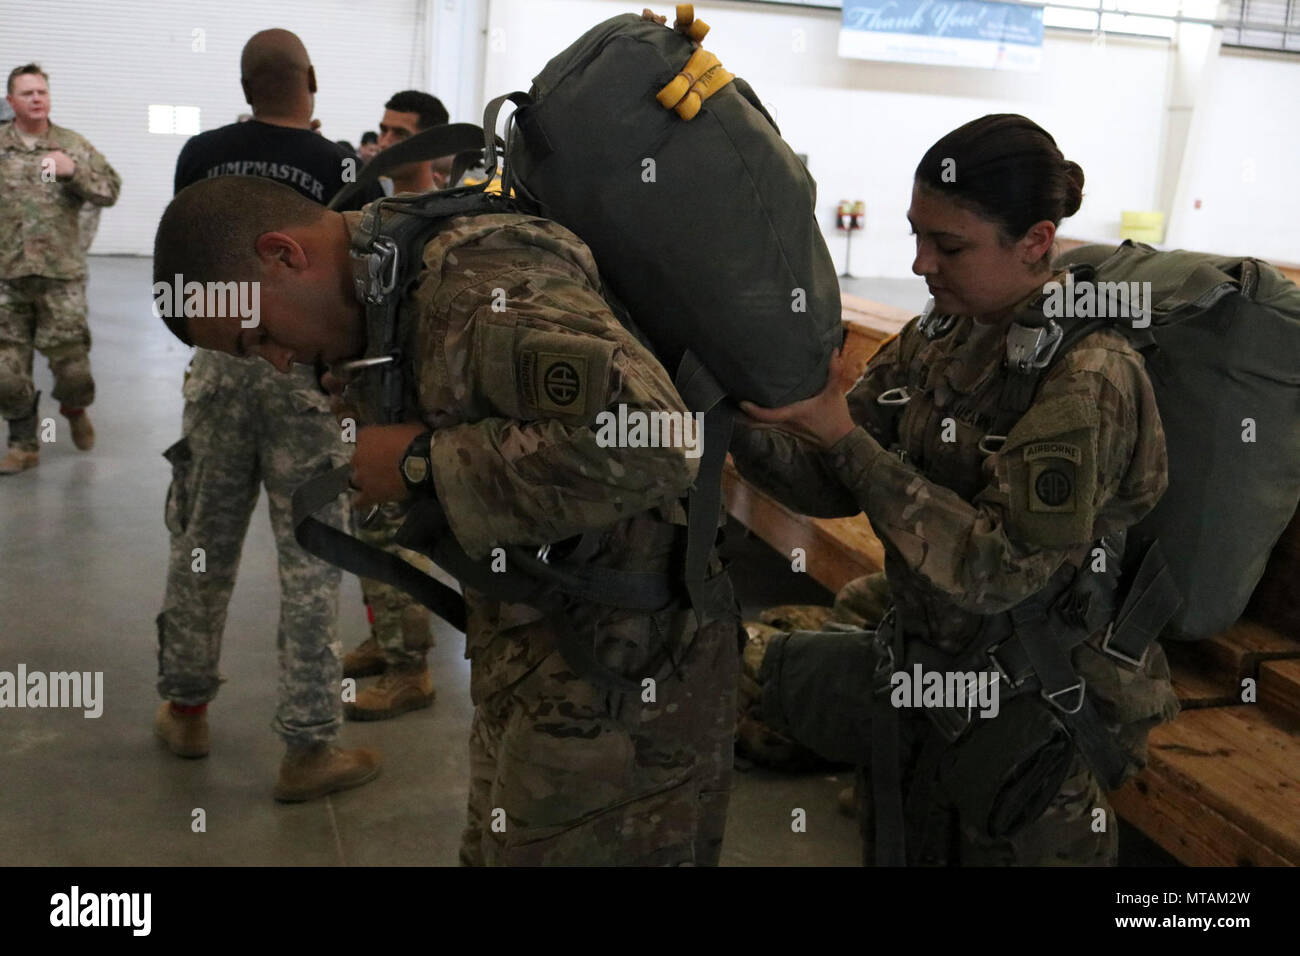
(823, 419)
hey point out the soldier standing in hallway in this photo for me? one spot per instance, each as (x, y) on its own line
(47, 174)
(246, 425)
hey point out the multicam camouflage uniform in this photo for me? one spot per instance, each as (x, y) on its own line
(967, 536)
(246, 425)
(43, 272)
(563, 771)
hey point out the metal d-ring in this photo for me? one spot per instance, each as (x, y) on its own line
(992, 444)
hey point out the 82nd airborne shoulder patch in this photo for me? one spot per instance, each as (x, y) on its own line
(553, 381)
(1053, 483)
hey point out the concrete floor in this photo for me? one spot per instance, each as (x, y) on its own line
(82, 562)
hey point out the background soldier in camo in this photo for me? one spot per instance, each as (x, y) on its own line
(246, 425)
(563, 769)
(47, 174)
(243, 430)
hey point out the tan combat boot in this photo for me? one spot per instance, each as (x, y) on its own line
(319, 769)
(366, 661)
(83, 433)
(403, 687)
(186, 735)
(18, 460)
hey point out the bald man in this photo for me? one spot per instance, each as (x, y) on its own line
(568, 765)
(246, 427)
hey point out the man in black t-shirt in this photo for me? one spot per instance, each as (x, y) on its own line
(247, 425)
(293, 155)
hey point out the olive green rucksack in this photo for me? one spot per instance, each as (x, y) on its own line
(1223, 354)
(705, 227)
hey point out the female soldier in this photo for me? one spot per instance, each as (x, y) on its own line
(1000, 478)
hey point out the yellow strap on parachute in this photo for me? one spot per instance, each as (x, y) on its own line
(701, 77)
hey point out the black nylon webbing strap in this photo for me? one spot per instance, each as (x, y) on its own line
(1019, 388)
(1152, 600)
(1066, 692)
(344, 551)
(702, 393)
(433, 143)
(886, 752)
(490, 139)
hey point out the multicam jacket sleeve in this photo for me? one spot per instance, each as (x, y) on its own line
(518, 357)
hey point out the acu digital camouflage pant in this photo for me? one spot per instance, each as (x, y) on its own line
(268, 429)
(48, 315)
(563, 773)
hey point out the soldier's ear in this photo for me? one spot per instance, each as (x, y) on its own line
(244, 86)
(311, 79)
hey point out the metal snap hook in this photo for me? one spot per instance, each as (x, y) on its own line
(894, 396)
(992, 444)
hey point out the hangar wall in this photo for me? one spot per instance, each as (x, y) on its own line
(108, 62)
(863, 124)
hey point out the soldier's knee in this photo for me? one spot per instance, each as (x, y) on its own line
(73, 384)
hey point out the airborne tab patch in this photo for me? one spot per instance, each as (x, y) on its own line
(1053, 449)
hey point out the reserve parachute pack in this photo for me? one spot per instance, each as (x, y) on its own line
(1221, 342)
(702, 223)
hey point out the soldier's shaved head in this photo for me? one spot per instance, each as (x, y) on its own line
(250, 229)
(209, 229)
(276, 74)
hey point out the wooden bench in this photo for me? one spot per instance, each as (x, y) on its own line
(1222, 785)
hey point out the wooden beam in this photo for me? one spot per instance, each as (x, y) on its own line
(1233, 763)
(1171, 813)
(1279, 691)
(1240, 649)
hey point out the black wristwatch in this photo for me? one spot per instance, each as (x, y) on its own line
(417, 469)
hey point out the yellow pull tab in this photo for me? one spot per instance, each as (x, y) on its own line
(688, 25)
(702, 76)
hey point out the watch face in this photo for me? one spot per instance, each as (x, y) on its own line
(415, 468)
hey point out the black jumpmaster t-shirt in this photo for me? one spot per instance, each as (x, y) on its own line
(300, 158)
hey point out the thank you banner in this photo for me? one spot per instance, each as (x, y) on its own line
(998, 36)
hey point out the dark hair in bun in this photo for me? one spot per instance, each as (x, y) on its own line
(1007, 169)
